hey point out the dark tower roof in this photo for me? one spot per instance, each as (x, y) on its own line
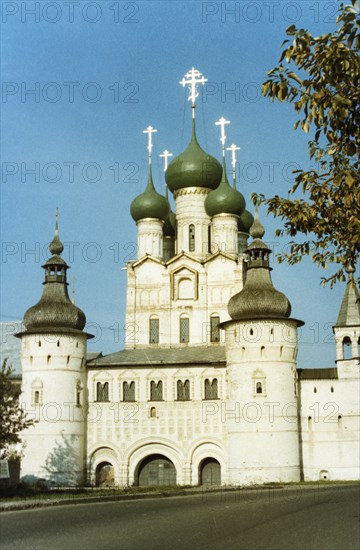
(193, 168)
(258, 299)
(349, 314)
(54, 312)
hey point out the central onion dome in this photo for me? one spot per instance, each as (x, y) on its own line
(150, 204)
(193, 168)
(54, 311)
(258, 299)
(224, 199)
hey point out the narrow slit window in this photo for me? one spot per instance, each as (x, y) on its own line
(154, 331)
(184, 330)
(214, 329)
(192, 238)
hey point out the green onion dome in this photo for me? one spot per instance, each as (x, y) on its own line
(224, 199)
(150, 204)
(170, 225)
(245, 221)
(193, 168)
(258, 299)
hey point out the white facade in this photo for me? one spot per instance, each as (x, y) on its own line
(187, 402)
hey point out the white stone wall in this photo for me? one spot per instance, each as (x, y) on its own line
(262, 427)
(184, 431)
(150, 237)
(330, 427)
(224, 234)
(190, 209)
(155, 290)
(54, 366)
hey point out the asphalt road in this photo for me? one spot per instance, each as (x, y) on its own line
(322, 518)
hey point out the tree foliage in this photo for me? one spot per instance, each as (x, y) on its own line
(13, 418)
(320, 77)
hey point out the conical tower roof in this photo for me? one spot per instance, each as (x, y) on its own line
(349, 314)
(193, 168)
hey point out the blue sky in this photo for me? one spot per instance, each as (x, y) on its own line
(103, 71)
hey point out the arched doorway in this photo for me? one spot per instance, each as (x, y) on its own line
(156, 470)
(210, 472)
(104, 474)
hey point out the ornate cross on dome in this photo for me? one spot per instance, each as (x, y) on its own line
(149, 130)
(222, 122)
(233, 148)
(192, 79)
(165, 155)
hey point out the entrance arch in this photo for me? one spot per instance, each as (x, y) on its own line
(156, 469)
(104, 474)
(210, 472)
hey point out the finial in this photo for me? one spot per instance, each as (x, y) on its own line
(192, 78)
(222, 122)
(233, 148)
(165, 155)
(56, 247)
(149, 130)
(350, 270)
(257, 230)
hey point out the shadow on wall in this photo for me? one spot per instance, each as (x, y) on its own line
(62, 463)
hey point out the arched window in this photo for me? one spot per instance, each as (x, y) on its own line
(102, 392)
(129, 391)
(156, 391)
(153, 412)
(191, 238)
(154, 330)
(37, 392)
(184, 330)
(183, 390)
(346, 348)
(259, 387)
(315, 390)
(214, 328)
(211, 389)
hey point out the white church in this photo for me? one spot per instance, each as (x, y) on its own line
(207, 389)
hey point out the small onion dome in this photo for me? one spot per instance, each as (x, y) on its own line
(193, 168)
(245, 221)
(150, 204)
(224, 199)
(170, 225)
(54, 310)
(258, 299)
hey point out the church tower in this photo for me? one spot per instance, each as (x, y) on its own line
(261, 409)
(190, 177)
(150, 210)
(347, 330)
(53, 355)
